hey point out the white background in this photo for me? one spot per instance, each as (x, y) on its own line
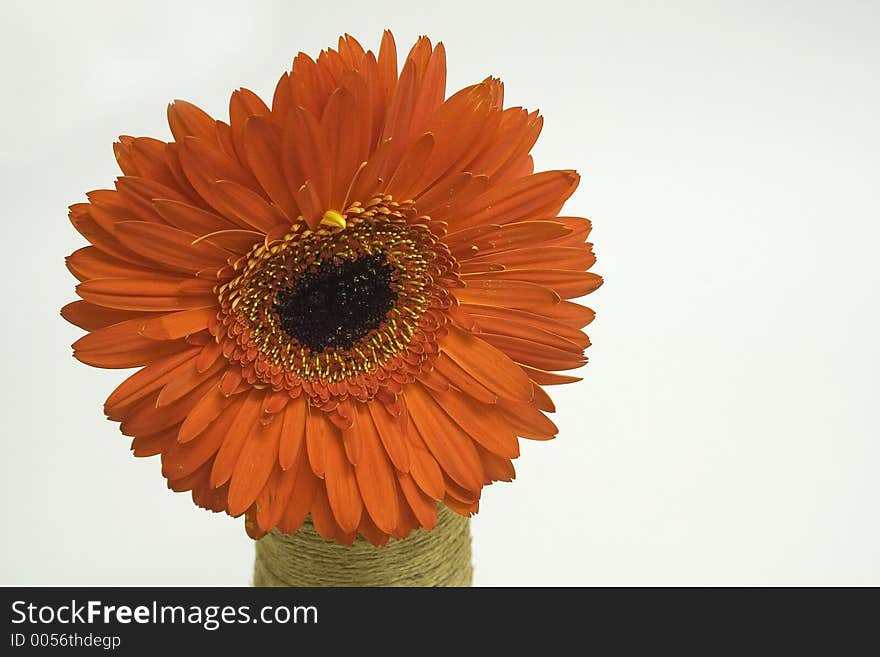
(725, 431)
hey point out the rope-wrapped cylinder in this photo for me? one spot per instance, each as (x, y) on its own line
(441, 557)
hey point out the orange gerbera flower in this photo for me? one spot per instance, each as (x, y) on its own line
(343, 305)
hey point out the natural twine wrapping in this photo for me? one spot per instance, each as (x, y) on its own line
(441, 557)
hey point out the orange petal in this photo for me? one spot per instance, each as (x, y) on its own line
(105, 241)
(127, 358)
(156, 443)
(210, 353)
(292, 432)
(487, 365)
(311, 204)
(461, 508)
(367, 180)
(146, 417)
(346, 132)
(208, 408)
(375, 474)
(509, 294)
(471, 187)
(571, 314)
(264, 507)
(90, 262)
(528, 421)
(262, 143)
(392, 437)
(184, 458)
(185, 380)
(275, 402)
(172, 159)
(567, 284)
(185, 119)
(322, 514)
(481, 422)
(460, 493)
(120, 345)
(316, 430)
(236, 240)
(179, 324)
(486, 239)
(431, 65)
(170, 247)
(189, 218)
(147, 380)
(526, 332)
(144, 157)
(433, 200)
(300, 500)
(533, 354)
(342, 490)
(412, 165)
(305, 147)
(448, 443)
(542, 400)
(138, 194)
(433, 379)
(545, 378)
(580, 230)
(308, 87)
(523, 324)
(255, 462)
(517, 132)
(446, 367)
(424, 468)
(204, 164)
(117, 337)
(387, 64)
(531, 197)
(406, 519)
(399, 116)
(367, 528)
(230, 380)
(242, 427)
(243, 104)
(272, 501)
(142, 295)
(90, 317)
(460, 124)
(247, 206)
(195, 480)
(539, 257)
(344, 419)
(422, 505)
(497, 468)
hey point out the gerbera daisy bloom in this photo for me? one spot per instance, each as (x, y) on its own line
(342, 305)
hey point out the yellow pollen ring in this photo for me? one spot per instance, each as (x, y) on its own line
(247, 299)
(334, 219)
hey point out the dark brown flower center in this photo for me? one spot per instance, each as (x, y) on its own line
(337, 302)
(347, 309)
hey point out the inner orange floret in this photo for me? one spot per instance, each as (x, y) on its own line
(382, 250)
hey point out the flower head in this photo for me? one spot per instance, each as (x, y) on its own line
(342, 305)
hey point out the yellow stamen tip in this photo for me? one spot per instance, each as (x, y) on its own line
(333, 218)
